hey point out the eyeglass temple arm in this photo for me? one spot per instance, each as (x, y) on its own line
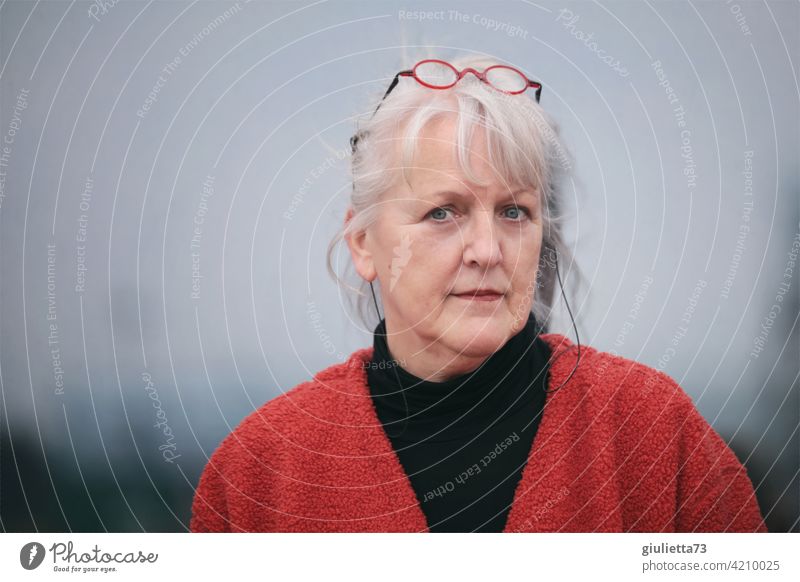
(538, 88)
(394, 84)
(408, 73)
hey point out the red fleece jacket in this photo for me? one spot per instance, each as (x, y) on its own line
(621, 447)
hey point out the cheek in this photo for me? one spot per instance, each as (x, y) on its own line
(430, 275)
(524, 275)
(435, 257)
(522, 258)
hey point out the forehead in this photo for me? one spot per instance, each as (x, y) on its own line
(437, 148)
(435, 165)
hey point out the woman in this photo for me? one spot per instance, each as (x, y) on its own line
(463, 415)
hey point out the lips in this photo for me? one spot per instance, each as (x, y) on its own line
(480, 295)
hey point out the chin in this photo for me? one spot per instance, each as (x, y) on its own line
(480, 336)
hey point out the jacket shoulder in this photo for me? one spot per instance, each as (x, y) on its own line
(272, 447)
(607, 375)
(300, 415)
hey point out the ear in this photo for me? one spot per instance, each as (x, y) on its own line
(362, 257)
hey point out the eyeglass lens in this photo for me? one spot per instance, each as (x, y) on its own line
(436, 74)
(506, 79)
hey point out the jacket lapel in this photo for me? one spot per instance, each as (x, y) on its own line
(537, 490)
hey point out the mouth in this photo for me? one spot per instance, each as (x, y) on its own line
(480, 295)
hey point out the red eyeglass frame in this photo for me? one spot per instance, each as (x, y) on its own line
(460, 75)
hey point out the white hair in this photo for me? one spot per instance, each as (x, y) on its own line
(523, 144)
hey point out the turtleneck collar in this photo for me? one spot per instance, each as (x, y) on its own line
(413, 409)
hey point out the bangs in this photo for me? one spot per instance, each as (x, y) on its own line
(516, 150)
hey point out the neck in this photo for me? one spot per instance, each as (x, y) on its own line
(426, 361)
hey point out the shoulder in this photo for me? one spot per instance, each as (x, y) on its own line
(299, 416)
(607, 376)
(637, 403)
(274, 446)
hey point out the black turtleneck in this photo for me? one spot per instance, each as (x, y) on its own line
(464, 442)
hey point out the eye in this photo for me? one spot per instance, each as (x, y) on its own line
(516, 213)
(439, 214)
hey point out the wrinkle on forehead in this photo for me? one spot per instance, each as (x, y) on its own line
(437, 166)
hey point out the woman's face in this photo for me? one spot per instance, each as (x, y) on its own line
(437, 242)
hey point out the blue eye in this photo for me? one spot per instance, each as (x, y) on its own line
(438, 214)
(517, 212)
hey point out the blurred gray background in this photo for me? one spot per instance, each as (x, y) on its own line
(171, 173)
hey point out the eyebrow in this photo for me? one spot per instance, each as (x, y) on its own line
(515, 193)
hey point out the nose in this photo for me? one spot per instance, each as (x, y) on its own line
(481, 242)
